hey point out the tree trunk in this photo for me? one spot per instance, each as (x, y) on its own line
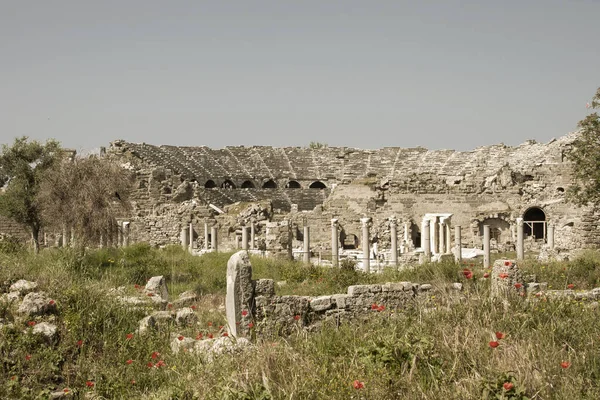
(35, 236)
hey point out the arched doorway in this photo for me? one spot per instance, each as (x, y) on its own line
(228, 184)
(270, 184)
(534, 223)
(210, 184)
(293, 185)
(415, 235)
(248, 185)
(317, 185)
(349, 241)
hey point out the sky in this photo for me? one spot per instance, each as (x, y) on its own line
(370, 74)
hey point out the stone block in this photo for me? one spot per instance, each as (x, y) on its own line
(36, 303)
(396, 287)
(186, 316)
(321, 303)
(46, 330)
(240, 293)
(340, 300)
(157, 287)
(23, 287)
(264, 287)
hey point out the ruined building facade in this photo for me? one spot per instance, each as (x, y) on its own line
(237, 186)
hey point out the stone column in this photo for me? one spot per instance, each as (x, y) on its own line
(244, 238)
(191, 237)
(551, 236)
(334, 242)
(394, 242)
(66, 236)
(126, 231)
(365, 244)
(457, 244)
(214, 243)
(205, 236)
(406, 229)
(441, 238)
(239, 300)
(119, 234)
(448, 236)
(426, 240)
(434, 235)
(520, 243)
(252, 235)
(486, 246)
(306, 250)
(183, 237)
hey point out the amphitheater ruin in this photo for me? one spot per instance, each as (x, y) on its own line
(389, 205)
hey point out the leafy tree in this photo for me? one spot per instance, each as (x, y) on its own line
(317, 145)
(585, 155)
(86, 195)
(23, 165)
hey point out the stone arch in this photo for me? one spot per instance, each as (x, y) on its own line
(228, 184)
(270, 184)
(210, 184)
(349, 241)
(534, 223)
(317, 185)
(293, 185)
(248, 185)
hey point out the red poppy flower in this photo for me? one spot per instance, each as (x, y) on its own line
(225, 334)
(193, 308)
(486, 275)
(180, 337)
(89, 384)
(51, 302)
(570, 286)
(244, 313)
(137, 286)
(28, 357)
(169, 305)
(508, 386)
(507, 263)
(12, 378)
(358, 384)
(494, 344)
(297, 317)
(150, 294)
(155, 354)
(381, 308)
(518, 285)
(374, 306)
(565, 364)
(79, 343)
(160, 363)
(209, 323)
(199, 336)
(220, 327)
(250, 325)
(499, 335)
(66, 390)
(133, 381)
(150, 365)
(129, 336)
(503, 275)
(210, 336)
(128, 362)
(31, 323)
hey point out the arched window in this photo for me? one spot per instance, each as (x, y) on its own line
(317, 185)
(248, 185)
(293, 185)
(270, 184)
(534, 223)
(210, 184)
(228, 185)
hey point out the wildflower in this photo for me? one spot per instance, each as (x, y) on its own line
(79, 343)
(129, 336)
(28, 357)
(220, 327)
(133, 381)
(209, 323)
(381, 308)
(169, 305)
(518, 285)
(508, 386)
(570, 286)
(150, 365)
(160, 363)
(89, 384)
(507, 263)
(486, 275)
(250, 325)
(13, 378)
(297, 317)
(180, 337)
(494, 344)
(244, 313)
(129, 362)
(199, 336)
(66, 390)
(155, 354)
(374, 306)
(193, 308)
(225, 334)
(503, 275)
(467, 273)
(565, 364)
(150, 294)
(51, 302)
(210, 336)
(358, 384)
(137, 286)
(31, 323)
(499, 335)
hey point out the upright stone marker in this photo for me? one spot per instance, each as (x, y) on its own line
(306, 249)
(458, 244)
(334, 242)
(486, 246)
(239, 301)
(365, 244)
(520, 243)
(214, 243)
(394, 241)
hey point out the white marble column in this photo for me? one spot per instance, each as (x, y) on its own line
(191, 241)
(126, 232)
(441, 239)
(434, 235)
(486, 246)
(551, 236)
(458, 244)
(183, 237)
(214, 243)
(426, 240)
(205, 236)
(365, 244)
(252, 235)
(334, 242)
(448, 236)
(520, 243)
(394, 242)
(244, 238)
(306, 243)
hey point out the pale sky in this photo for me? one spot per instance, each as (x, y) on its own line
(441, 74)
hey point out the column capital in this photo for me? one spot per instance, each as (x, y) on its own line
(334, 222)
(519, 221)
(365, 220)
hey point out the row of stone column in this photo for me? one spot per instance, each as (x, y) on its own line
(187, 237)
(117, 236)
